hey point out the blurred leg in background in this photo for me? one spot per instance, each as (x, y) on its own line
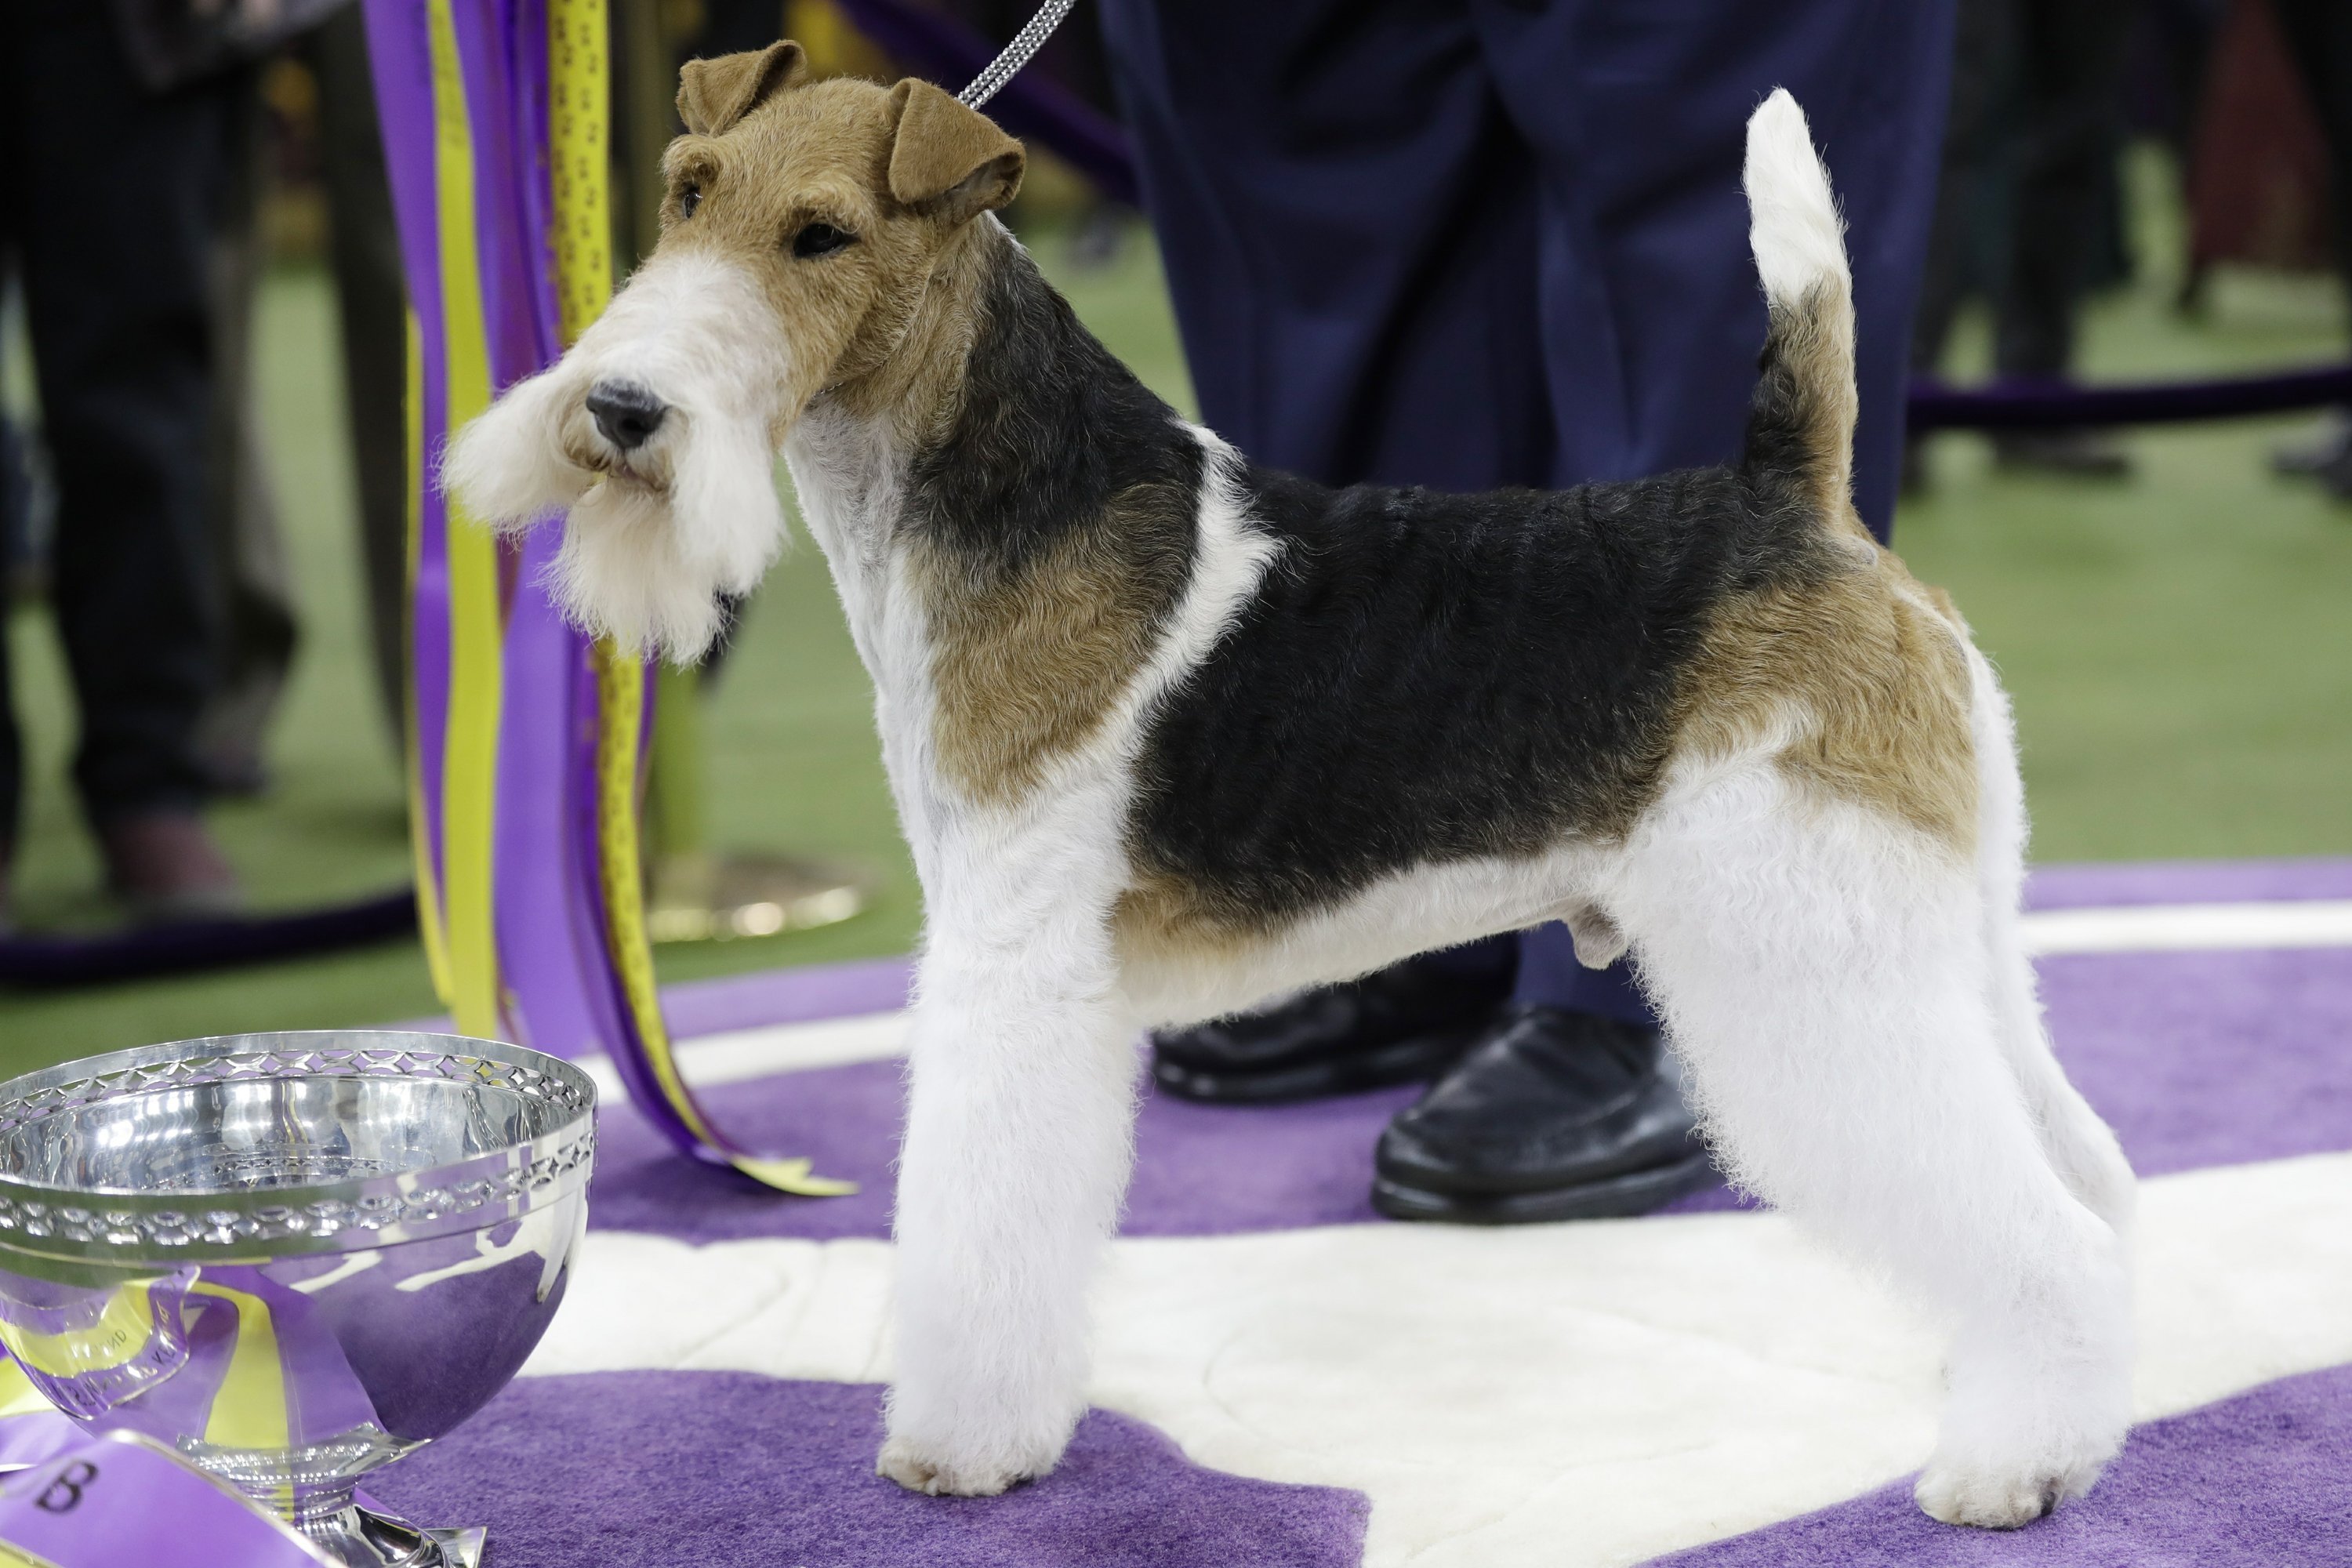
(111, 197)
(2025, 206)
(21, 574)
(364, 251)
(2069, 74)
(1963, 258)
(258, 627)
(2318, 36)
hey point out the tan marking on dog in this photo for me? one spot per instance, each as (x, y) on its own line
(1815, 342)
(905, 366)
(1165, 920)
(1879, 683)
(1026, 666)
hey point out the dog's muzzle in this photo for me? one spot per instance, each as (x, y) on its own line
(625, 415)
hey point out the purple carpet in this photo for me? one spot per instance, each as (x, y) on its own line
(2195, 1058)
(713, 1469)
(2263, 1480)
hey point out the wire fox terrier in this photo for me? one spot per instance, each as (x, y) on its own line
(1172, 734)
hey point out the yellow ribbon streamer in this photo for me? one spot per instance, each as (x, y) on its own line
(470, 751)
(579, 98)
(430, 917)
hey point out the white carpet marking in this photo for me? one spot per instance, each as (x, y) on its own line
(2176, 927)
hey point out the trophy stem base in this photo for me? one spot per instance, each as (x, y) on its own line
(361, 1537)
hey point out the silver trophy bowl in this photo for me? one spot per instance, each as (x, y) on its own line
(292, 1258)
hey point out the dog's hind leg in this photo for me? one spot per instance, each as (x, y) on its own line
(1017, 1148)
(1822, 970)
(2078, 1142)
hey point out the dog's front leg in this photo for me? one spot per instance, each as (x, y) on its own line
(1018, 1141)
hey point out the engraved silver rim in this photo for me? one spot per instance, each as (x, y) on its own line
(118, 1225)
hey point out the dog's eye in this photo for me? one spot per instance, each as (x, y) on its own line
(818, 238)
(689, 199)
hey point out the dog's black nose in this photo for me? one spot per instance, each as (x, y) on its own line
(628, 416)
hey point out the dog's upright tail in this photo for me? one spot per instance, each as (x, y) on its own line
(1800, 420)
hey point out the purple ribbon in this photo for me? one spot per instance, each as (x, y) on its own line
(559, 957)
(550, 948)
(119, 1500)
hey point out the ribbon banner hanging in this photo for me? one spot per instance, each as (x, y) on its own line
(526, 739)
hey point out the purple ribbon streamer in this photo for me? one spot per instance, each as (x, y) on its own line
(401, 59)
(550, 947)
(554, 951)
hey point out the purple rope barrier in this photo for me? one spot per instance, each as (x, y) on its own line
(144, 951)
(2045, 406)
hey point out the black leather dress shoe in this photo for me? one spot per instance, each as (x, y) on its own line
(1397, 1025)
(1553, 1115)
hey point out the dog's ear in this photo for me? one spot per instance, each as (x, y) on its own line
(714, 94)
(948, 159)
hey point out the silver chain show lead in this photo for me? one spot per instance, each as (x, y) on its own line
(1025, 43)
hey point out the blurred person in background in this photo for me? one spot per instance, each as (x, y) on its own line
(2029, 165)
(371, 321)
(257, 629)
(130, 175)
(111, 194)
(1470, 244)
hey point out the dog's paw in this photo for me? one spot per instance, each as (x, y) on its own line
(1994, 1497)
(904, 1462)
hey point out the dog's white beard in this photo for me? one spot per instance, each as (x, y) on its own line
(644, 563)
(646, 569)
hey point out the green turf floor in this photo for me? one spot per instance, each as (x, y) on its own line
(2180, 644)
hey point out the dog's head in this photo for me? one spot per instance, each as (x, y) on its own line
(802, 226)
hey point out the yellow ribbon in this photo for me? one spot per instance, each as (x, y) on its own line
(579, 97)
(469, 758)
(430, 919)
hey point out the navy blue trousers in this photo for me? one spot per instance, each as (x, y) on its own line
(1475, 243)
